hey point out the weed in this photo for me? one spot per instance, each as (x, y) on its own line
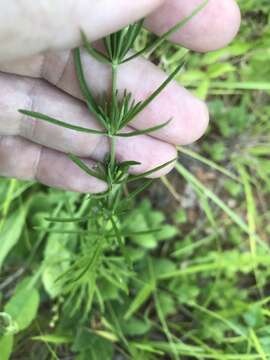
(199, 288)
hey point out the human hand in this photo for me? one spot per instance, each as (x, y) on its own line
(37, 73)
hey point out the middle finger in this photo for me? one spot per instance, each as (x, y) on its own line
(37, 95)
(140, 77)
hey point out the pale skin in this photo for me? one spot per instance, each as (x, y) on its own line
(37, 72)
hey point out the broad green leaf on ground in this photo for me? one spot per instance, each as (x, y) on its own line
(11, 232)
(6, 344)
(136, 327)
(23, 305)
(145, 218)
(56, 262)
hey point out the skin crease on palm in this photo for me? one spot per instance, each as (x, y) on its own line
(37, 72)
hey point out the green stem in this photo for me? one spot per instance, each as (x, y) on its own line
(112, 135)
(113, 152)
(114, 80)
(114, 99)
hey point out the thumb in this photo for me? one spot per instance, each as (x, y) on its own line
(31, 27)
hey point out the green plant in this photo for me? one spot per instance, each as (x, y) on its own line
(201, 294)
(101, 216)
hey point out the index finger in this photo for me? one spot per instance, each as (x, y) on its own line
(31, 27)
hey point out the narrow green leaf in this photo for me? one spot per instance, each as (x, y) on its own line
(91, 103)
(128, 163)
(139, 108)
(251, 208)
(92, 264)
(108, 46)
(94, 52)
(150, 172)
(139, 190)
(121, 41)
(86, 168)
(153, 46)
(215, 315)
(53, 121)
(53, 339)
(133, 33)
(67, 220)
(108, 235)
(144, 131)
(121, 243)
(80, 74)
(70, 232)
(140, 299)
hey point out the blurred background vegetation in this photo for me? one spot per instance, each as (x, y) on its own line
(199, 288)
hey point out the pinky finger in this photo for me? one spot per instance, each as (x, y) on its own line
(22, 159)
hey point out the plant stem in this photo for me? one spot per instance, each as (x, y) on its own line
(113, 152)
(114, 99)
(114, 79)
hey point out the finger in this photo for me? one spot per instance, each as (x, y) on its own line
(24, 160)
(140, 77)
(22, 93)
(31, 27)
(212, 28)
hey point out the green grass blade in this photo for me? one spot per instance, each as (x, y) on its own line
(196, 269)
(208, 162)
(237, 329)
(194, 246)
(160, 313)
(257, 345)
(219, 202)
(251, 209)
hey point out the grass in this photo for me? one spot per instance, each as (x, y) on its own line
(199, 288)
